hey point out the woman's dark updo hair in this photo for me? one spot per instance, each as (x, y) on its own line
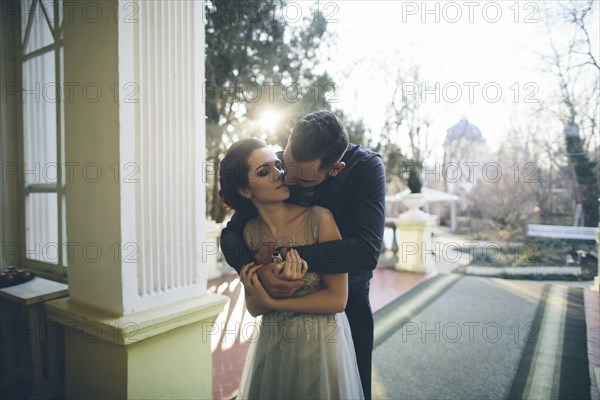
(233, 175)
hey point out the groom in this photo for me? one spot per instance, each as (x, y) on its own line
(322, 168)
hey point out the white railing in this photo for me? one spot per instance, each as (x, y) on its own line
(514, 271)
(562, 232)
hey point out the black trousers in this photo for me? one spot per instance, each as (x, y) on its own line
(360, 318)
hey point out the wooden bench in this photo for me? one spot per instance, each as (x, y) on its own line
(562, 232)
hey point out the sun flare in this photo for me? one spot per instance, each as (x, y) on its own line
(269, 120)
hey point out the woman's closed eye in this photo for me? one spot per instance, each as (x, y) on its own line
(263, 171)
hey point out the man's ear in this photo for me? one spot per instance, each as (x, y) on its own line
(336, 170)
(245, 193)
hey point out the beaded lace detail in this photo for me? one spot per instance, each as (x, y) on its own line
(307, 233)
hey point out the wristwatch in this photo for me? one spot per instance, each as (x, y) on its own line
(276, 256)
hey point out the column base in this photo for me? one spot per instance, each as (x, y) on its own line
(158, 353)
(416, 250)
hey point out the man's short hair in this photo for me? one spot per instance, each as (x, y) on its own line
(320, 135)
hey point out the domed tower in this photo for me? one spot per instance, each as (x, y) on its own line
(465, 153)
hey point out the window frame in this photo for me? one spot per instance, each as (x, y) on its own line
(56, 271)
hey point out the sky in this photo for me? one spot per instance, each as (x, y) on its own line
(477, 59)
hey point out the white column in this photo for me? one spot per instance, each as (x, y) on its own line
(151, 216)
(596, 285)
(138, 307)
(415, 230)
(453, 216)
(211, 249)
(416, 247)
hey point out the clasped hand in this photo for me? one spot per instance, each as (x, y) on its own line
(292, 269)
(252, 284)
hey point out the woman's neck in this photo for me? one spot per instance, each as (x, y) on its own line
(275, 217)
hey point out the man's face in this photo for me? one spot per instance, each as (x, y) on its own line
(305, 174)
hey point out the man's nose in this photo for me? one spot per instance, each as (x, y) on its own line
(279, 174)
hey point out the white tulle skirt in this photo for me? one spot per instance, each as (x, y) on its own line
(301, 356)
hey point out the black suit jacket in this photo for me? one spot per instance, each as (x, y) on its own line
(356, 197)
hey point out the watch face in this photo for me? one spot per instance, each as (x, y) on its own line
(276, 257)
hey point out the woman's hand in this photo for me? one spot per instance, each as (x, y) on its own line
(252, 284)
(278, 288)
(293, 268)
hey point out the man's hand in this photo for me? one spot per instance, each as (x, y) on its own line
(278, 288)
(263, 253)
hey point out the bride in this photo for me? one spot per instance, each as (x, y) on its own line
(304, 347)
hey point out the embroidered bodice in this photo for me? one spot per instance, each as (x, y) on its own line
(306, 233)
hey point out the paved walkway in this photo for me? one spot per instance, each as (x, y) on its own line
(471, 338)
(234, 325)
(233, 328)
(592, 319)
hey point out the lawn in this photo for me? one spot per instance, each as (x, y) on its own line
(533, 252)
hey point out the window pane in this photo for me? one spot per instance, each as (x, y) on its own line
(60, 16)
(25, 13)
(39, 119)
(41, 35)
(61, 106)
(50, 9)
(65, 258)
(41, 227)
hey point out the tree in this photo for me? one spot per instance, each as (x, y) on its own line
(506, 201)
(357, 131)
(405, 117)
(574, 65)
(260, 77)
(414, 181)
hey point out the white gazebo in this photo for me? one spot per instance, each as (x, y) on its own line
(431, 196)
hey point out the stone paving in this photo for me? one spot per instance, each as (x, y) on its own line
(232, 333)
(233, 326)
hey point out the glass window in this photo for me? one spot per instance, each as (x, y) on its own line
(43, 136)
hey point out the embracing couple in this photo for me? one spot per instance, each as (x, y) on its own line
(305, 238)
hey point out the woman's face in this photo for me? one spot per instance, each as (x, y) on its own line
(265, 178)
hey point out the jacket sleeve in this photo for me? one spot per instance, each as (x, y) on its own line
(358, 250)
(234, 249)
